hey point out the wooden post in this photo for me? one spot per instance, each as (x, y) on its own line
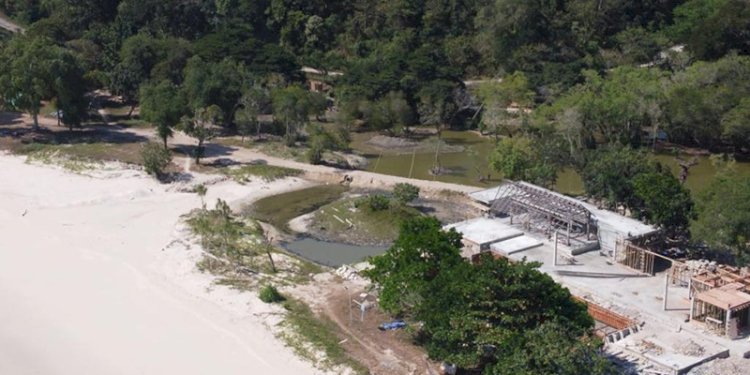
(268, 252)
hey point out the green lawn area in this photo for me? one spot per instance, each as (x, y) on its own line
(83, 152)
(267, 172)
(342, 220)
(275, 147)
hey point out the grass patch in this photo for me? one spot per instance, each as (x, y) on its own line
(311, 334)
(226, 237)
(270, 145)
(235, 142)
(68, 162)
(239, 283)
(91, 152)
(237, 251)
(269, 294)
(281, 150)
(345, 221)
(268, 173)
(277, 210)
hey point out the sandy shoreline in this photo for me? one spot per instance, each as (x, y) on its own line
(89, 285)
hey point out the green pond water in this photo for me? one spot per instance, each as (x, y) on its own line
(277, 210)
(465, 167)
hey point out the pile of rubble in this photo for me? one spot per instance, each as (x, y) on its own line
(348, 273)
(725, 366)
(699, 265)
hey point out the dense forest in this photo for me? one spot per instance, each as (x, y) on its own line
(588, 85)
(601, 69)
(566, 83)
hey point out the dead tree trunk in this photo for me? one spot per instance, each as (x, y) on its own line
(268, 252)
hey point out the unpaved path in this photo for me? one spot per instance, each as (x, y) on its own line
(360, 179)
(384, 353)
(7, 24)
(319, 173)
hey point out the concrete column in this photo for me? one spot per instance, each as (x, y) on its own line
(692, 308)
(726, 324)
(666, 290)
(614, 253)
(554, 259)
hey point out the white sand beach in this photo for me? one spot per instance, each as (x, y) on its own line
(88, 284)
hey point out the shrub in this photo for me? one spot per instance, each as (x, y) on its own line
(315, 154)
(269, 294)
(374, 202)
(405, 193)
(155, 159)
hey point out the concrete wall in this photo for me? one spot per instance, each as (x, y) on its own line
(608, 237)
(470, 248)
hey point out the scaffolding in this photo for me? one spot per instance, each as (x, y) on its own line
(542, 210)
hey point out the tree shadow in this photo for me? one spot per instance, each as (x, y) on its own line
(427, 210)
(212, 150)
(11, 118)
(88, 135)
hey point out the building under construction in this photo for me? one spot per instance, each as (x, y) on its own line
(579, 224)
(667, 315)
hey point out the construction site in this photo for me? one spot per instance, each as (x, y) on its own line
(656, 312)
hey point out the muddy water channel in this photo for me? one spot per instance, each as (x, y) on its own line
(278, 210)
(465, 167)
(331, 253)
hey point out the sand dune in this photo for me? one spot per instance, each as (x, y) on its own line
(87, 286)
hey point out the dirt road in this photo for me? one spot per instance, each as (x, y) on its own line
(7, 24)
(360, 179)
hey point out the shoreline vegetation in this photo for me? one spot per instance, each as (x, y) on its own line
(240, 255)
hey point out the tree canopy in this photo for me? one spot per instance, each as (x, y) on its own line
(481, 315)
(36, 70)
(723, 220)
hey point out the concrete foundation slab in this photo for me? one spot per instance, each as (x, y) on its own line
(482, 231)
(515, 245)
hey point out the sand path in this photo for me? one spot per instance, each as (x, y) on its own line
(88, 287)
(360, 178)
(319, 173)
